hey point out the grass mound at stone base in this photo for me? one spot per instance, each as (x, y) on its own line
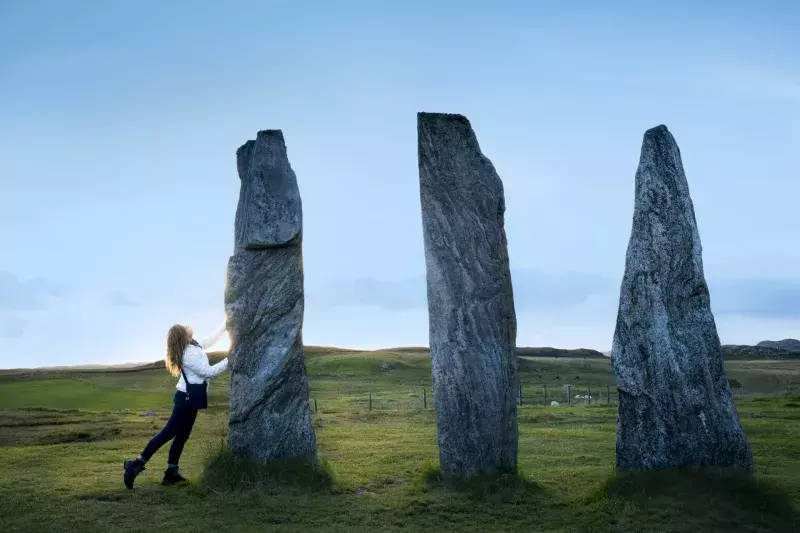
(225, 472)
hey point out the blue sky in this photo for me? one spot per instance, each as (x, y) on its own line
(121, 121)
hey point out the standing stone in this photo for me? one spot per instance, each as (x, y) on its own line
(473, 327)
(269, 413)
(675, 408)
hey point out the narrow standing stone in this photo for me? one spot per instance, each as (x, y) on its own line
(473, 326)
(675, 408)
(269, 413)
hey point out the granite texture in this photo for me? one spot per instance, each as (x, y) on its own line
(675, 407)
(264, 302)
(470, 301)
(270, 213)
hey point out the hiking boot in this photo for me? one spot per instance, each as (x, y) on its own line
(172, 476)
(132, 469)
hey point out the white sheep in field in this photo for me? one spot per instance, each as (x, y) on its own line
(583, 397)
(554, 404)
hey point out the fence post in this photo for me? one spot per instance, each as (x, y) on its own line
(590, 396)
(545, 394)
(520, 393)
(370, 401)
(424, 398)
(569, 395)
(315, 404)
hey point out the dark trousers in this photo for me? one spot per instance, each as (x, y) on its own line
(178, 428)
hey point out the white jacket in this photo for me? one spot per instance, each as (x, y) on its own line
(195, 362)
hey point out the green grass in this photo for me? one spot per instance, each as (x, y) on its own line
(61, 452)
(224, 472)
(765, 376)
(76, 394)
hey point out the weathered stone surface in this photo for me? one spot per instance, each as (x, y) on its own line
(675, 408)
(473, 326)
(269, 412)
(270, 212)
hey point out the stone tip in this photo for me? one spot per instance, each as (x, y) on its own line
(426, 118)
(244, 147)
(243, 157)
(271, 140)
(265, 134)
(659, 140)
(659, 131)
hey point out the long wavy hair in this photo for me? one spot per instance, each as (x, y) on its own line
(178, 338)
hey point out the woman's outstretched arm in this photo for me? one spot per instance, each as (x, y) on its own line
(196, 360)
(212, 340)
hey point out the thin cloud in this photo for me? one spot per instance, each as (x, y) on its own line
(28, 294)
(755, 81)
(532, 290)
(756, 297)
(388, 294)
(536, 290)
(120, 299)
(12, 326)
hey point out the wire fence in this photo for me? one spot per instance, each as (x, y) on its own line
(421, 398)
(567, 395)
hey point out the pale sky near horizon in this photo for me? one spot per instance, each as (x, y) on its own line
(121, 121)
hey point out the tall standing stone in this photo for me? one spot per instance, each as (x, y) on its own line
(269, 413)
(473, 326)
(675, 407)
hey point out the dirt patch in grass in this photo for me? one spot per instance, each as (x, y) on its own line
(85, 435)
(45, 427)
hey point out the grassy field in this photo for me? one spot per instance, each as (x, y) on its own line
(64, 434)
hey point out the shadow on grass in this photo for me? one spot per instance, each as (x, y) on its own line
(225, 472)
(505, 487)
(720, 496)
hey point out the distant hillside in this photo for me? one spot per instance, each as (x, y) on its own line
(558, 352)
(785, 344)
(763, 350)
(410, 350)
(316, 351)
(783, 349)
(217, 356)
(522, 351)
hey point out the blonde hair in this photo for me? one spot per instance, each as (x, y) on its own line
(178, 338)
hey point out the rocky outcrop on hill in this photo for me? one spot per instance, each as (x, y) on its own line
(791, 345)
(558, 352)
(759, 351)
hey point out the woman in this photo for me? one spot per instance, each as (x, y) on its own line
(185, 358)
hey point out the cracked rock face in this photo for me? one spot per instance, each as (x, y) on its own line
(470, 300)
(675, 408)
(269, 412)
